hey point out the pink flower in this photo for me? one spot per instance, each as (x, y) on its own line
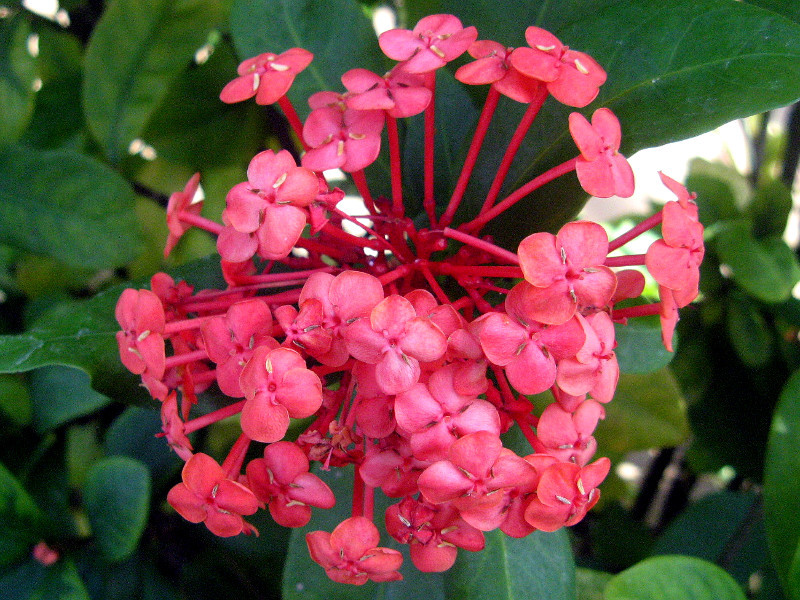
(434, 41)
(141, 344)
(207, 496)
(399, 93)
(601, 169)
(594, 370)
(173, 428)
(568, 436)
(493, 66)
(277, 386)
(573, 78)
(349, 554)
(281, 479)
(566, 271)
(267, 76)
(181, 203)
(340, 137)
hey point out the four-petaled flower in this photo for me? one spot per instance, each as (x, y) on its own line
(267, 76)
(434, 41)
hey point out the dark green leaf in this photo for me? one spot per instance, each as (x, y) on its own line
(117, 499)
(722, 192)
(750, 334)
(590, 583)
(136, 51)
(33, 581)
(639, 347)
(673, 578)
(133, 434)
(537, 566)
(337, 32)
(782, 479)
(15, 401)
(766, 268)
(787, 8)
(770, 209)
(135, 578)
(20, 519)
(17, 75)
(61, 394)
(68, 206)
(648, 411)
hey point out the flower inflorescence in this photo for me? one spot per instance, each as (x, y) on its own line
(393, 344)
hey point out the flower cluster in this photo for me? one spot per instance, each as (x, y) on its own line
(409, 351)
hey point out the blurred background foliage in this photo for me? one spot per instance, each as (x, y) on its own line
(107, 107)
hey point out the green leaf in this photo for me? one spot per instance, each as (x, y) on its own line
(136, 50)
(770, 208)
(20, 519)
(133, 434)
(725, 527)
(17, 75)
(67, 206)
(648, 411)
(61, 394)
(537, 566)
(722, 192)
(751, 336)
(673, 578)
(117, 500)
(767, 268)
(338, 44)
(787, 8)
(33, 581)
(15, 401)
(591, 583)
(639, 347)
(674, 70)
(782, 479)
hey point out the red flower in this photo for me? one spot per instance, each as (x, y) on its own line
(140, 314)
(179, 203)
(277, 386)
(566, 271)
(573, 78)
(601, 169)
(399, 93)
(434, 41)
(173, 428)
(207, 496)
(594, 370)
(281, 479)
(568, 436)
(349, 554)
(266, 76)
(493, 66)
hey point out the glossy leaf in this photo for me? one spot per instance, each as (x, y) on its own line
(133, 434)
(782, 479)
(17, 75)
(61, 394)
(770, 208)
(537, 566)
(127, 75)
(751, 336)
(648, 411)
(20, 519)
(15, 401)
(722, 192)
(117, 500)
(338, 43)
(33, 581)
(67, 206)
(766, 268)
(639, 347)
(673, 578)
(787, 8)
(590, 583)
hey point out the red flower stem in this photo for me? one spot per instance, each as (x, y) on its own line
(496, 251)
(324, 370)
(478, 270)
(210, 305)
(484, 120)
(462, 303)
(360, 180)
(475, 225)
(358, 495)
(287, 297)
(183, 325)
(369, 502)
(527, 431)
(429, 202)
(204, 377)
(643, 310)
(233, 462)
(398, 209)
(481, 304)
(208, 225)
(318, 247)
(184, 359)
(437, 289)
(625, 261)
(294, 120)
(272, 277)
(396, 274)
(213, 417)
(378, 238)
(348, 238)
(636, 231)
(516, 141)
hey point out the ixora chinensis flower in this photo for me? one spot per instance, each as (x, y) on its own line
(410, 349)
